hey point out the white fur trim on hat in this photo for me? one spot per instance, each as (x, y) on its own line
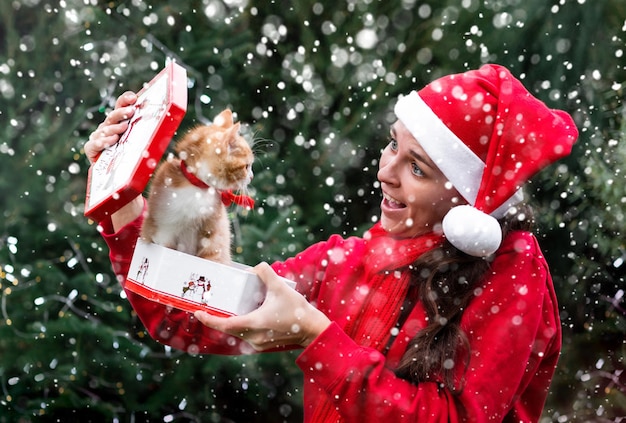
(457, 161)
(472, 231)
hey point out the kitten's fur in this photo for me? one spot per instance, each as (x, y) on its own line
(192, 219)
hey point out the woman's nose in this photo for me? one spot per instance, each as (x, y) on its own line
(387, 172)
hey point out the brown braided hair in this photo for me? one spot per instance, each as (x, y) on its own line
(445, 279)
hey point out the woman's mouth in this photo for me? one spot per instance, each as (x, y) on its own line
(392, 203)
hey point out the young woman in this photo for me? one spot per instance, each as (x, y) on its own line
(444, 310)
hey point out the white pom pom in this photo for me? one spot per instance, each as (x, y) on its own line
(472, 231)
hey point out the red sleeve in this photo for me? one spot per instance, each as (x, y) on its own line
(514, 335)
(121, 243)
(172, 327)
(363, 388)
(308, 267)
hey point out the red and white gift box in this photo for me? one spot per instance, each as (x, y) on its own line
(165, 277)
(191, 283)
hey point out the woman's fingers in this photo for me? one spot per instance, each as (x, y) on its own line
(103, 137)
(237, 326)
(223, 324)
(126, 99)
(284, 318)
(117, 116)
(113, 126)
(267, 275)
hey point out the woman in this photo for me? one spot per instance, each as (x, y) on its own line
(440, 312)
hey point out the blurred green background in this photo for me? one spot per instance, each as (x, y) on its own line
(314, 81)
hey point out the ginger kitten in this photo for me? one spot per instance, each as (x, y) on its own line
(189, 193)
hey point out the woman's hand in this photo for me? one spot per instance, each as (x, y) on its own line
(285, 317)
(114, 125)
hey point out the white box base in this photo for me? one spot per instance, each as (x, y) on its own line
(191, 283)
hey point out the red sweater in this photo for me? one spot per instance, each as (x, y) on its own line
(512, 324)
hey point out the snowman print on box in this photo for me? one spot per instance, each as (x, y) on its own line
(196, 288)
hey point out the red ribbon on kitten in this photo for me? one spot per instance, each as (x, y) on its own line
(228, 197)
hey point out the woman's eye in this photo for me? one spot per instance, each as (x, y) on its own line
(417, 170)
(393, 144)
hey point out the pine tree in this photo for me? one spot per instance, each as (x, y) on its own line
(314, 81)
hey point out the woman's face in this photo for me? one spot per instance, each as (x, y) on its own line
(416, 195)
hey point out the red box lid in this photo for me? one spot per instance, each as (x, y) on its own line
(123, 170)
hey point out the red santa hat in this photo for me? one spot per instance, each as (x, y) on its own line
(488, 135)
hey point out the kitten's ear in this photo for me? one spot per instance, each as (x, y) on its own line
(231, 134)
(224, 119)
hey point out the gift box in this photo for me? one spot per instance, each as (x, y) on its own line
(191, 283)
(160, 275)
(123, 170)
